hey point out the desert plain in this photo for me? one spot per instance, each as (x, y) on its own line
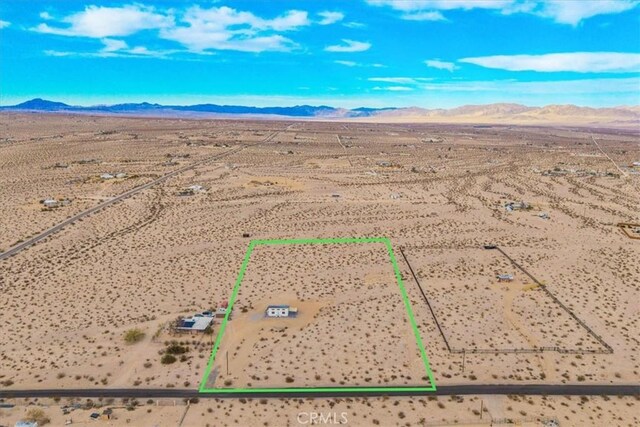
(568, 314)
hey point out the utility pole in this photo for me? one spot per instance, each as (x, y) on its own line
(481, 407)
(227, 362)
(464, 354)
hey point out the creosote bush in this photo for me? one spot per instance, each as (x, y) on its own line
(133, 336)
(168, 359)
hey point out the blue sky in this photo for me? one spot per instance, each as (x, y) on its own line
(427, 53)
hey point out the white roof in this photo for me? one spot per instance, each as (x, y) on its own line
(201, 323)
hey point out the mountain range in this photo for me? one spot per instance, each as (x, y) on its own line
(501, 113)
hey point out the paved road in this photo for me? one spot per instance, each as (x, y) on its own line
(14, 250)
(497, 389)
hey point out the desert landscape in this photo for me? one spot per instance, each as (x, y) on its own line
(340, 293)
(95, 304)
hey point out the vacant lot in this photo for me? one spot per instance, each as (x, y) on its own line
(343, 292)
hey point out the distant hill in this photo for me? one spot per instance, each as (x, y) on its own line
(500, 113)
(41, 105)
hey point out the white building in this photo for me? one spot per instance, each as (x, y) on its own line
(50, 203)
(281, 311)
(195, 323)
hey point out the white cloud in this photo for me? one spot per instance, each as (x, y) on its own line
(359, 64)
(224, 28)
(330, 17)
(136, 52)
(349, 46)
(570, 12)
(57, 53)
(114, 48)
(347, 63)
(141, 50)
(441, 65)
(99, 22)
(112, 45)
(393, 88)
(552, 87)
(416, 5)
(354, 24)
(46, 16)
(4, 24)
(398, 80)
(579, 62)
(198, 30)
(423, 16)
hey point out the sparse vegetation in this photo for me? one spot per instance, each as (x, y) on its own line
(133, 336)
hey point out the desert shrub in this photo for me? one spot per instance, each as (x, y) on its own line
(168, 359)
(37, 415)
(133, 336)
(175, 348)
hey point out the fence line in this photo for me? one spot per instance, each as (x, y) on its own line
(607, 348)
(446, 342)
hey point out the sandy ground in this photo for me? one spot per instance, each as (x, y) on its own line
(361, 412)
(342, 292)
(436, 190)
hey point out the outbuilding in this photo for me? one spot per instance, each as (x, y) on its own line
(281, 311)
(50, 203)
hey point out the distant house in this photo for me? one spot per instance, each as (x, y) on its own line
(55, 203)
(26, 424)
(281, 311)
(516, 206)
(50, 203)
(106, 176)
(505, 278)
(196, 323)
(221, 312)
(384, 163)
(191, 190)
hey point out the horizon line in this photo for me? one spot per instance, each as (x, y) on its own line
(302, 103)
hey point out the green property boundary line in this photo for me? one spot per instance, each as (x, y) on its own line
(234, 294)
